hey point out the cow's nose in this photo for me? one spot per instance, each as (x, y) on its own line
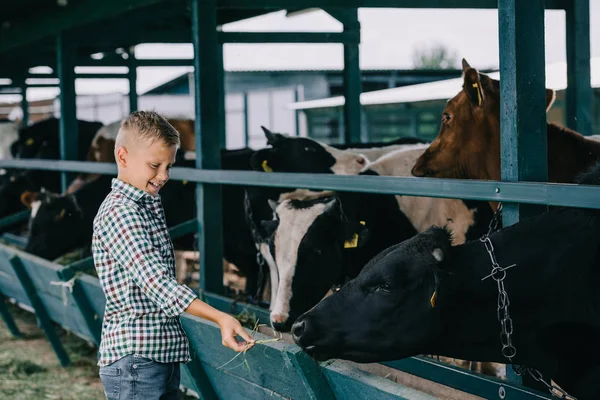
(298, 329)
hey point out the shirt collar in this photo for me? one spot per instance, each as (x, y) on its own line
(132, 192)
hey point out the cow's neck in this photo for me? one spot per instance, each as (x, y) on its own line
(545, 292)
(569, 154)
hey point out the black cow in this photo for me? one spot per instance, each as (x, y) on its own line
(424, 296)
(40, 140)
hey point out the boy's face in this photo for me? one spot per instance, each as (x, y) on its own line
(147, 167)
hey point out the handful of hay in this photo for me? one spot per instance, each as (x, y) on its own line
(278, 337)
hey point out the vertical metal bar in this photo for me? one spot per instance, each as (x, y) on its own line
(352, 80)
(246, 123)
(579, 91)
(132, 77)
(523, 137)
(8, 319)
(522, 106)
(65, 54)
(208, 126)
(296, 116)
(24, 104)
(40, 311)
(221, 95)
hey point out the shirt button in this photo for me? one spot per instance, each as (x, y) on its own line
(134, 366)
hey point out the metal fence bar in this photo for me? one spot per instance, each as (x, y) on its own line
(40, 311)
(553, 194)
(8, 319)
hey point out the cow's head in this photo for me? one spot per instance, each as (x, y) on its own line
(295, 154)
(308, 238)
(55, 225)
(468, 143)
(14, 184)
(388, 312)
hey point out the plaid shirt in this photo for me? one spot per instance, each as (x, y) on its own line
(134, 258)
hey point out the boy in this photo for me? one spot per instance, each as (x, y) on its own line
(143, 341)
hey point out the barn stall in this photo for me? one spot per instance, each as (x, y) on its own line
(67, 35)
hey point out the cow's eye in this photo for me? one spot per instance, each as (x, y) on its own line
(310, 149)
(382, 287)
(446, 117)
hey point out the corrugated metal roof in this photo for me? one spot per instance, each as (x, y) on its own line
(556, 78)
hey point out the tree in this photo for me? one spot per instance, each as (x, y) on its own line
(437, 56)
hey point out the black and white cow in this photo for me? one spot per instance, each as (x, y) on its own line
(425, 296)
(301, 155)
(387, 220)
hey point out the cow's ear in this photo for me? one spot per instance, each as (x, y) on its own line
(273, 139)
(27, 198)
(550, 97)
(356, 234)
(472, 85)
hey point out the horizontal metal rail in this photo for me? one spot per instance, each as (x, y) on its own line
(569, 195)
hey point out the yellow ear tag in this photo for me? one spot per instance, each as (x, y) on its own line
(476, 85)
(29, 142)
(352, 243)
(184, 182)
(61, 215)
(432, 300)
(265, 166)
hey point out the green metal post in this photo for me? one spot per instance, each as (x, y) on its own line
(246, 123)
(24, 104)
(296, 112)
(523, 140)
(352, 79)
(8, 319)
(208, 124)
(132, 77)
(579, 93)
(221, 98)
(40, 311)
(65, 53)
(522, 106)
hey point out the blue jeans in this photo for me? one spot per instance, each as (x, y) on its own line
(136, 377)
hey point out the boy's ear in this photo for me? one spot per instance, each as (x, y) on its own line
(121, 158)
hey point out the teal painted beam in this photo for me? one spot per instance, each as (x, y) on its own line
(246, 120)
(24, 105)
(310, 373)
(14, 219)
(8, 319)
(40, 311)
(65, 52)
(208, 127)
(44, 25)
(462, 379)
(92, 320)
(579, 94)
(522, 107)
(352, 79)
(344, 4)
(349, 37)
(90, 62)
(552, 194)
(132, 77)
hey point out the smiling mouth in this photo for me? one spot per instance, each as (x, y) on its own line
(155, 186)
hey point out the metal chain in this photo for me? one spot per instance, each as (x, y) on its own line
(509, 351)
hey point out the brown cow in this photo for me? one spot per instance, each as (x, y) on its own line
(468, 144)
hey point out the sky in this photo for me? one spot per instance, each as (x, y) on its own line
(388, 40)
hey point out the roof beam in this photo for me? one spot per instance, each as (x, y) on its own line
(84, 12)
(295, 4)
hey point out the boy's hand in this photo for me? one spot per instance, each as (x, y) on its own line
(230, 327)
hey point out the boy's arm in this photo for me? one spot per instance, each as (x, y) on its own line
(230, 327)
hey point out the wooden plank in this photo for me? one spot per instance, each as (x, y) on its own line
(65, 53)
(579, 93)
(208, 126)
(351, 383)
(8, 319)
(522, 104)
(40, 311)
(94, 324)
(266, 366)
(310, 373)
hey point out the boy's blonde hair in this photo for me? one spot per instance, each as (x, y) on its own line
(147, 126)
